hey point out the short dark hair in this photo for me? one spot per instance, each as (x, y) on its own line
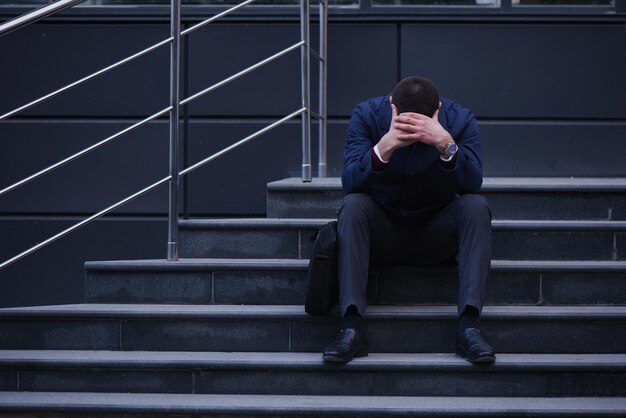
(416, 94)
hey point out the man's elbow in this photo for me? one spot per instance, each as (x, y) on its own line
(347, 182)
(476, 184)
(473, 182)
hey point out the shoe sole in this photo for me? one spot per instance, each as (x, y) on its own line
(479, 360)
(337, 359)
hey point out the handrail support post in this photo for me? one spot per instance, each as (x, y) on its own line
(172, 236)
(306, 90)
(323, 70)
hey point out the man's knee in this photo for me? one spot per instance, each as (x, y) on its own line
(357, 206)
(474, 206)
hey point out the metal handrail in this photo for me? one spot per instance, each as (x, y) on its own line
(37, 14)
(147, 189)
(172, 213)
(241, 142)
(149, 119)
(305, 55)
(87, 78)
(215, 17)
(101, 72)
(121, 62)
(84, 151)
(242, 73)
(174, 111)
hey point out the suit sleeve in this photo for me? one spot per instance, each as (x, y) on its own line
(357, 155)
(467, 175)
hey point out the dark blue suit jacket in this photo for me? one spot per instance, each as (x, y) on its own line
(414, 184)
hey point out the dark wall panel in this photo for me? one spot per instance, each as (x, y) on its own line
(91, 183)
(554, 149)
(534, 71)
(218, 51)
(235, 183)
(45, 57)
(362, 62)
(56, 274)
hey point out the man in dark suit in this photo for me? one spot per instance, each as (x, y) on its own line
(412, 172)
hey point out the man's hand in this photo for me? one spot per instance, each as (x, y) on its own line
(415, 127)
(392, 140)
(409, 128)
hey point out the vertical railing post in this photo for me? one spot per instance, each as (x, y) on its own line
(306, 90)
(323, 66)
(172, 236)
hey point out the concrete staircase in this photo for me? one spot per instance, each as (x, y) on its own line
(222, 332)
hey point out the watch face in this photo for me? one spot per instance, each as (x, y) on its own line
(451, 150)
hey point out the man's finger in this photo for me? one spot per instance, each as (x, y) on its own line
(394, 111)
(410, 138)
(416, 116)
(406, 127)
(436, 115)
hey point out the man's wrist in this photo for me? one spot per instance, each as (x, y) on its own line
(385, 151)
(377, 164)
(379, 155)
(443, 143)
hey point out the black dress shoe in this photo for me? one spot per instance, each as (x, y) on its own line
(350, 343)
(471, 345)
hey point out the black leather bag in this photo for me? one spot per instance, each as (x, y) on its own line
(323, 288)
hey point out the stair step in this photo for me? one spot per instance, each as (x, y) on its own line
(506, 362)
(277, 281)
(92, 404)
(402, 329)
(513, 239)
(380, 374)
(509, 198)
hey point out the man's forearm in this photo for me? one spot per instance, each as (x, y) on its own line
(386, 147)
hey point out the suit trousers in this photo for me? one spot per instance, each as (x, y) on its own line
(367, 236)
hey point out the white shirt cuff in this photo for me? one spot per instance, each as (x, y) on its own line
(377, 152)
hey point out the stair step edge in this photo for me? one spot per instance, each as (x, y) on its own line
(200, 264)
(305, 361)
(296, 312)
(308, 405)
(490, 184)
(251, 224)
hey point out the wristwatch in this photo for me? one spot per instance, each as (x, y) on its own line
(449, 151)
